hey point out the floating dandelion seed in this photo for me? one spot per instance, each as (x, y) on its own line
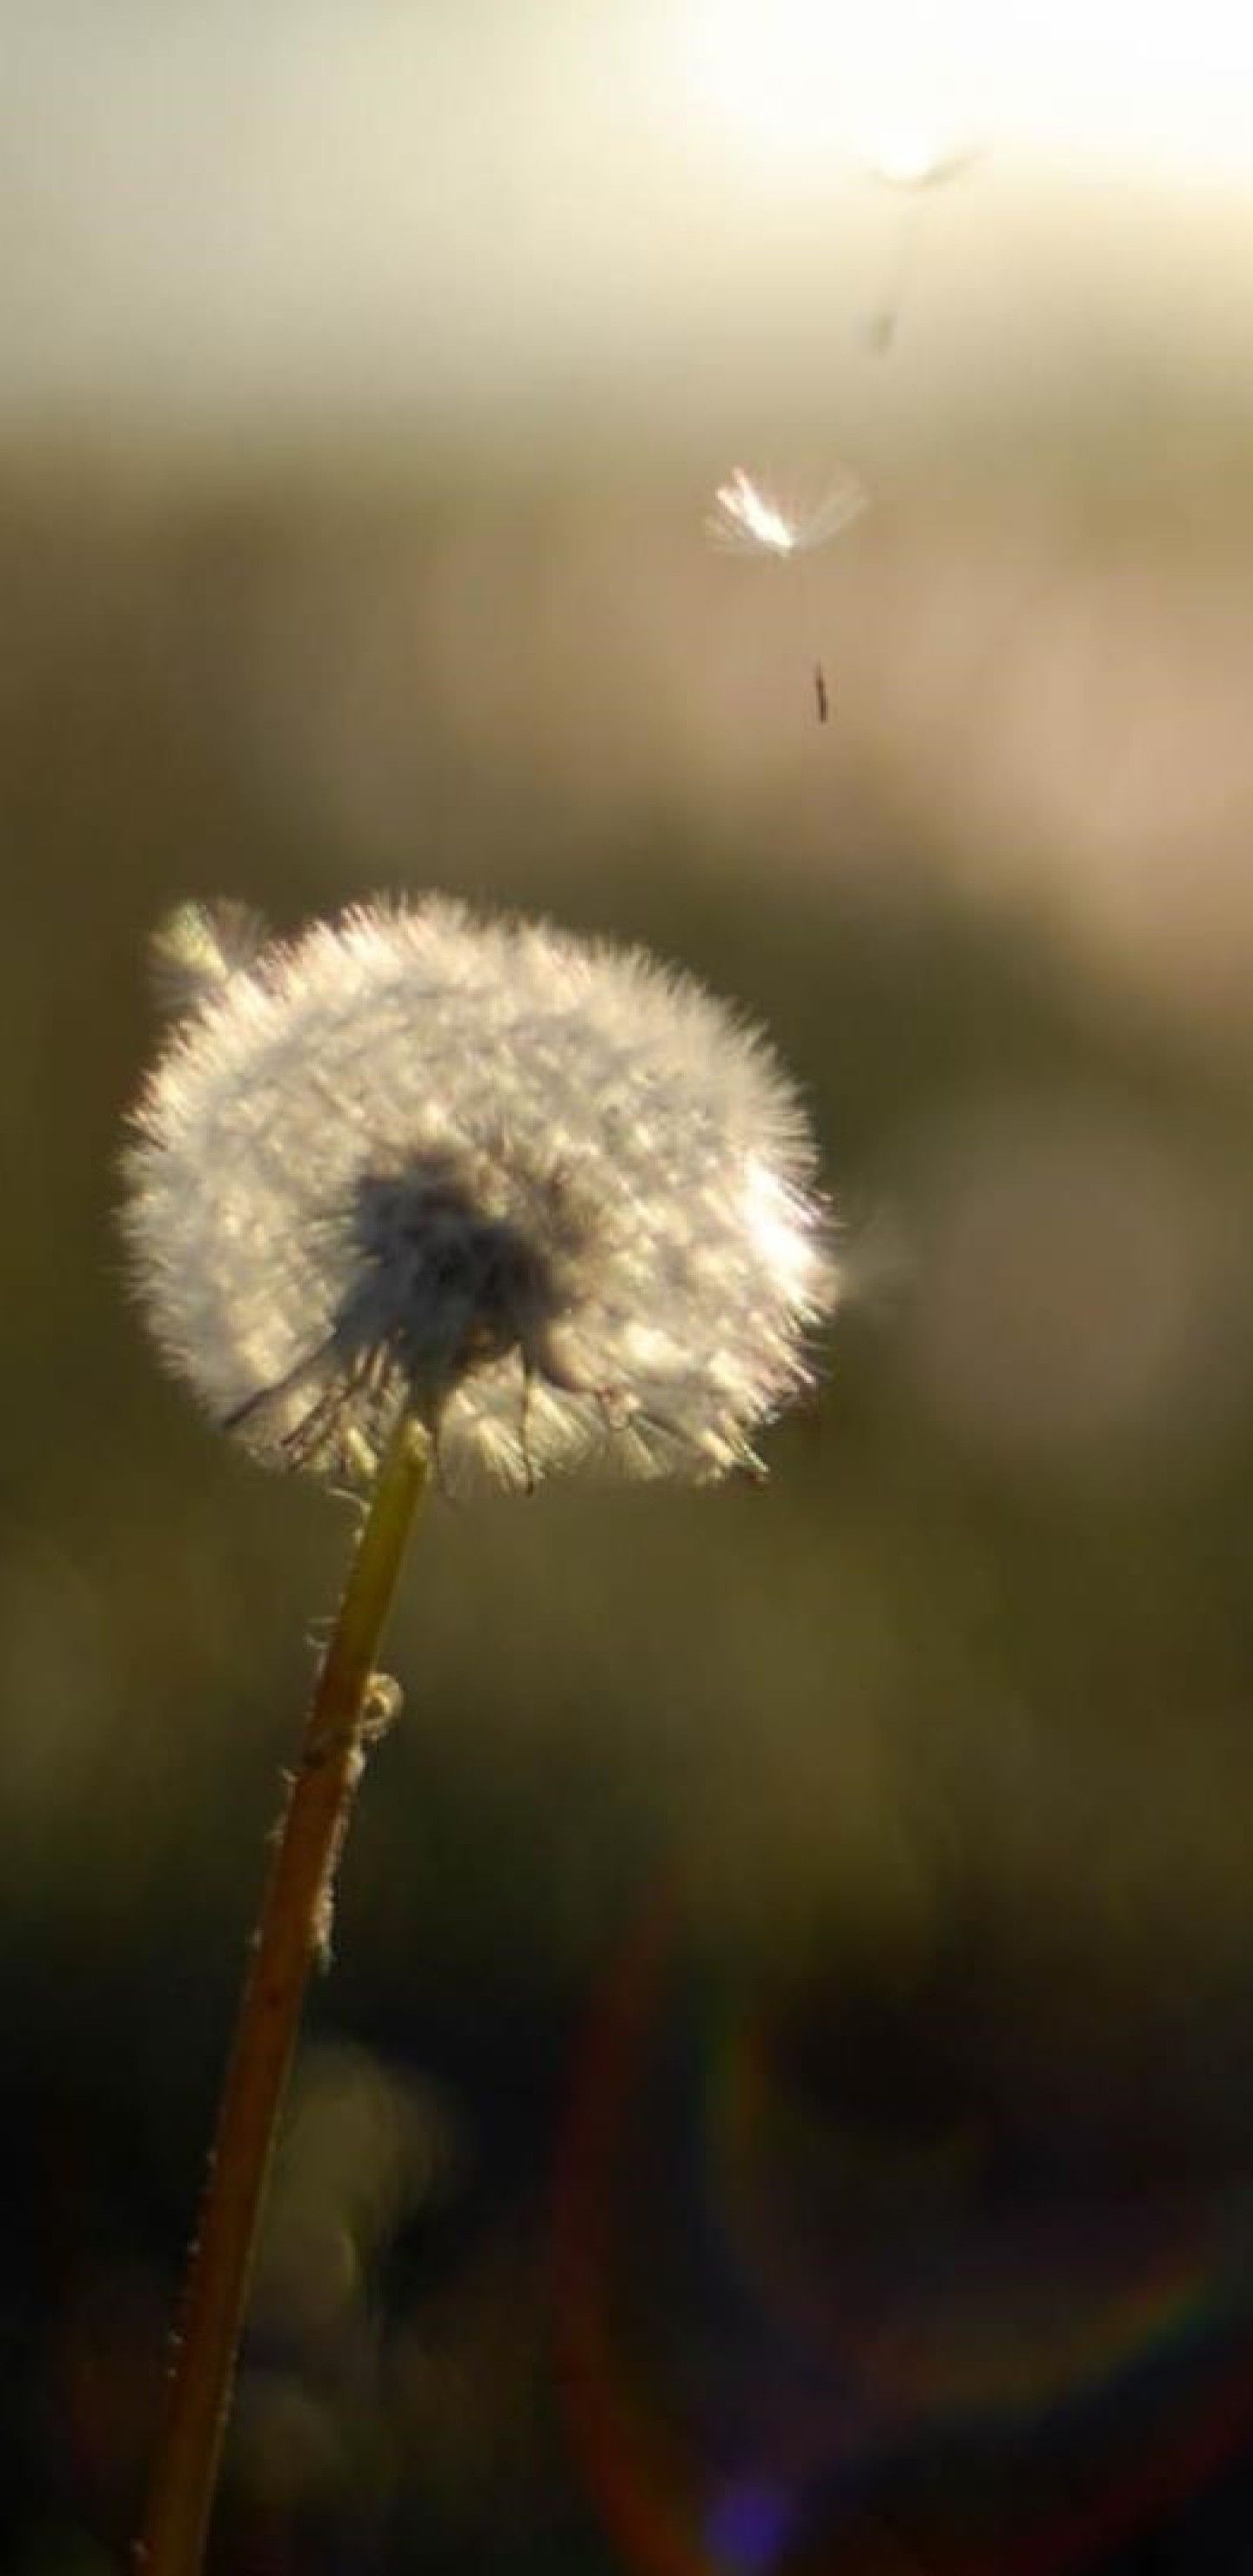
(549, 1196)
(911, 163)
(748, 520)
(198, 949)
(915, 161)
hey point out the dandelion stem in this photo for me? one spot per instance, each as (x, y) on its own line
(291, 1933)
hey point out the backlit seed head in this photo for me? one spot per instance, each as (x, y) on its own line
(546, 1193)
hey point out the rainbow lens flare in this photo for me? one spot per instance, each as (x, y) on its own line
(796, 2337)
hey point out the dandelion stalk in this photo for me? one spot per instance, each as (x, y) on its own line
(293, 1930)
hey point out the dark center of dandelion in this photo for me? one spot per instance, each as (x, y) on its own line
(442, 1282)
(449, 1285)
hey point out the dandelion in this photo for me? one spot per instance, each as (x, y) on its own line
(548, 1196)
(419, 1184)
(747, 519)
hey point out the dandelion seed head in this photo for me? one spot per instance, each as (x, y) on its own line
(548, 1193)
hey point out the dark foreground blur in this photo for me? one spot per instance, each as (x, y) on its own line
(784, 2097)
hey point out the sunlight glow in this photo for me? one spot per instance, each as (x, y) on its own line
(906, 89)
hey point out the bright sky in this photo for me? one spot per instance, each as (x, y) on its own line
(1145, 87)
(232, 213)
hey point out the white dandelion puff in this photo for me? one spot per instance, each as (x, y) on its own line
(546, 1194)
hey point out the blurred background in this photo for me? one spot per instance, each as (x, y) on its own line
(784, 2096)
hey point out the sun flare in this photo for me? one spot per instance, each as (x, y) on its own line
(912, 93)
